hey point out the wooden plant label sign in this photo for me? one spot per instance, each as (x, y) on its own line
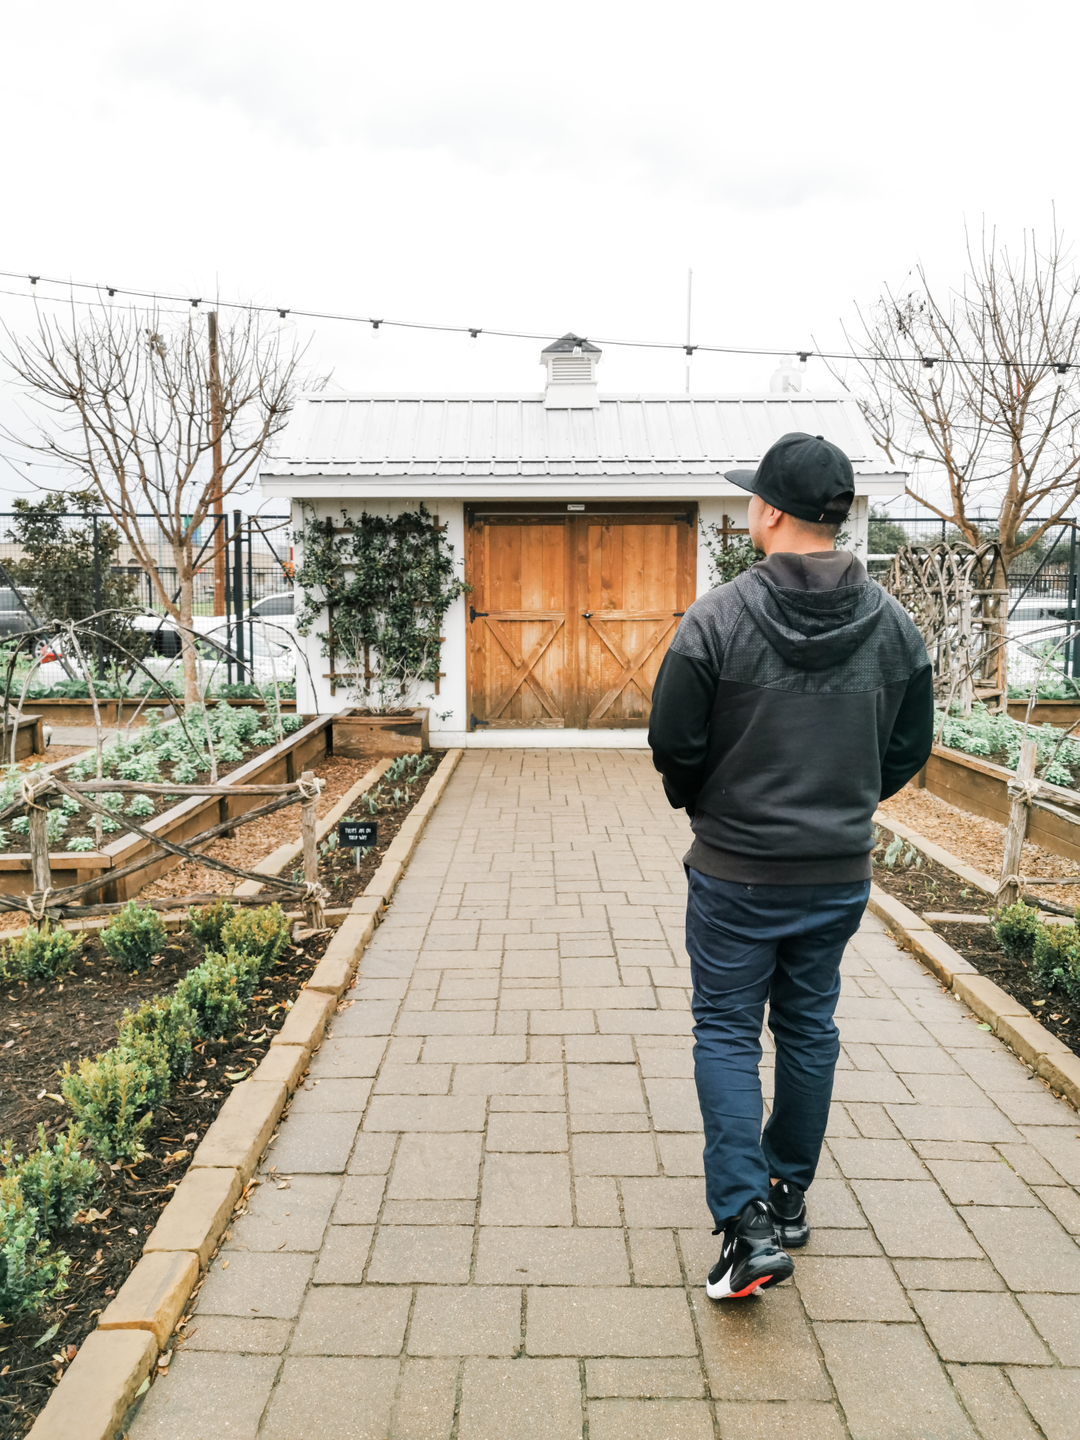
(357, 834)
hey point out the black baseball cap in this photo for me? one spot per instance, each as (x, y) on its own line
(804, 475)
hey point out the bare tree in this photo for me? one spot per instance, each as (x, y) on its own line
(160, 423)
(981, 383)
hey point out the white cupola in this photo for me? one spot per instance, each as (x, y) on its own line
(571, 374)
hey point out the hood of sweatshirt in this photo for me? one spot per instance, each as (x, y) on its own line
(814, 610)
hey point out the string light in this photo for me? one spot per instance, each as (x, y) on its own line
(155, 296)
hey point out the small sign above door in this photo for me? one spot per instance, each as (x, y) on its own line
(357, 834)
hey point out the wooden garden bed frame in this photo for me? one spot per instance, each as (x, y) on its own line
(70, 902)
(124, 867)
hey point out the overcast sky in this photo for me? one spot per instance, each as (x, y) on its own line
(545, 167)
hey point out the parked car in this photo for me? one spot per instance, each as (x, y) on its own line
(278, 606)
(13, 617)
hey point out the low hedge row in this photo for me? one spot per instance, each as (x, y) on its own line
(112, 1097)
(1051, 951)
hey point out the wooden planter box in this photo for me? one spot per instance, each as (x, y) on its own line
(980, 788)
(29, 739)
(1047, 712)
(356, 735)
(119, 712)
(281, 764)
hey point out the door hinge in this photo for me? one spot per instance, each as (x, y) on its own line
(474, 723)
(475, 614)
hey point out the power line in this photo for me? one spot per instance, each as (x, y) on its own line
(193, 302)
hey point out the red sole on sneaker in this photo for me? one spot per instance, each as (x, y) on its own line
(754, 1284)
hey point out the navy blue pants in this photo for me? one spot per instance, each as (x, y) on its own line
(749, 944)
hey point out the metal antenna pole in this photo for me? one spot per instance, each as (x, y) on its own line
(689, 299)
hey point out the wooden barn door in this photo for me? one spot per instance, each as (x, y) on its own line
(571, 614)
(517, 632)
(635, 580)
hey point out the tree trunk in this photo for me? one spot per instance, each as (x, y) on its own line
(188, 651)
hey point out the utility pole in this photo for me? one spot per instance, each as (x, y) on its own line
(220, 537)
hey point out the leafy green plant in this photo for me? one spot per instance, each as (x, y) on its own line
(259, 933)
(134, 937)
(1017, 929)
(1057, 756)
(57, 1181)
(205, 922)
(165, 1021)
(110, 1096)
(30, 1273)
(81, 844)
(728, 560)
(898, 854)
(39, 954)
(217, 993)
(391, 580)
(1056, 958)
(140, 806)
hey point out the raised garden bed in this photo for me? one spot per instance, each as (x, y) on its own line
(115, 713)
(265, 763)
(388, 804)
(1062, 713)
(54, 1021)
(981, 788)
(931, 889)
(57, 1023)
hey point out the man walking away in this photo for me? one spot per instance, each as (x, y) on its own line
(791, 701)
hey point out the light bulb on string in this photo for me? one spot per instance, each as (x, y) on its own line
(33, 285)
(472, 338)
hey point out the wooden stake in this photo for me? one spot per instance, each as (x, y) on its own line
(1019, 811)
(39, 851)
(308, 822)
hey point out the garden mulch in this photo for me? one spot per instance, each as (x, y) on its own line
(250, 843)
(931, 888)
(978, 842)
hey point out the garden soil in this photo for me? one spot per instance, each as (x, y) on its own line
(932, 888)
(54, 1022)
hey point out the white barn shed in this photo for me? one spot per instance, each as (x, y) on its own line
(578, 519)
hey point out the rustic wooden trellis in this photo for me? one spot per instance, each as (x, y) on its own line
(40, 792)
(958, 597)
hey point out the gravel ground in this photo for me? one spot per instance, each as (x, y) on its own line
(979, 842)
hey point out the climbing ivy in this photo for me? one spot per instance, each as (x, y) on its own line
(388, 581)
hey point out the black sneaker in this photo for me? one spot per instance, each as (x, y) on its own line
(787, 1206)
(750, 1259)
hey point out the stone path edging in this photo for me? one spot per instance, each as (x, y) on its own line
(116, 1358)
(1050, 1058)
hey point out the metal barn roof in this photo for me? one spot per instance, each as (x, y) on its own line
(506, 435)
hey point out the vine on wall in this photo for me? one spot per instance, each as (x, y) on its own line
(384, 585)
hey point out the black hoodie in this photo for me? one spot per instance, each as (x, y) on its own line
(791, 701)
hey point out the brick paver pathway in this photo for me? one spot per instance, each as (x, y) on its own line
(494, 1228)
